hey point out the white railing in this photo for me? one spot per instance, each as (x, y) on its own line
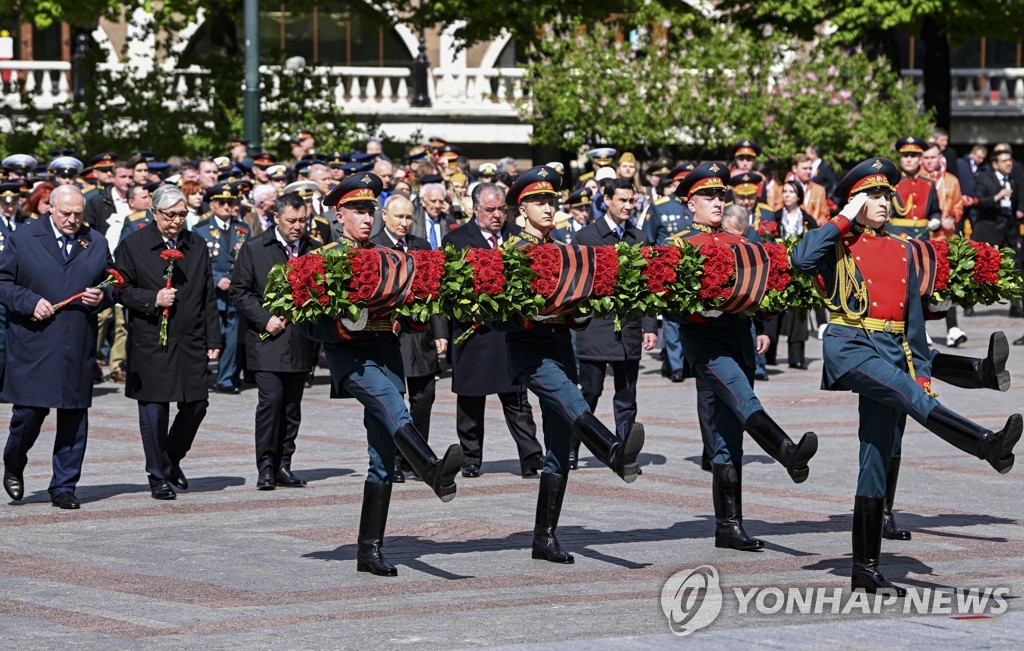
(42, 84)
(981, 90)
(363, 90)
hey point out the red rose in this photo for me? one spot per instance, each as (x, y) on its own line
(778, 269)
(488, 271)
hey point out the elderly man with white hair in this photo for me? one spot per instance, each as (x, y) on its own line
(170, 367)
(432, 220)
(51, 349)
(261, 219)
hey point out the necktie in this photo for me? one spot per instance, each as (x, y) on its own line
(619, 230)
(432, 225)
(494, 241)
(171, 244)
(293, 250)
(63, 242)
(401, 244)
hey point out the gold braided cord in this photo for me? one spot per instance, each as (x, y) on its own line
(846, 286)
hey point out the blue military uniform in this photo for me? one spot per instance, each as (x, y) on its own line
(668, 215)
(565, 226)
(365, 360)
(541, 356)
(135, 222)
(223, 240)
(875, 346)
(720, 350)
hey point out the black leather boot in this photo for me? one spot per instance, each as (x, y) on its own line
(549, 507)
(439, 474)
(867, 547)
(726, 489)
(574, 452)
(619, 455)
(966, 435)
(797, 357)
(369, 558)
(976, 373)
(793, 456)
(891, 530)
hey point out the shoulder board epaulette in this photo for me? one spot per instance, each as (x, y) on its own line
(321, 219)
(678, 237)
(203, 222)
(561, 222)
(329, 246)
(136, 216)
(513, 240)
(661, 200)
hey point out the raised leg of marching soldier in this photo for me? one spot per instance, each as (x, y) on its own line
(988, 372)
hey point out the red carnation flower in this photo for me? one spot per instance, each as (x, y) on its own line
(941, 248)
(546, 262)
(172, 254)
(488, 271)
(778, 270)
(719, 268)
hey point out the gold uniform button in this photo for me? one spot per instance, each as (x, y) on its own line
(904, 259)
(870, 281)
(874, 304)
(858, 258)
(904, 281)
(901, 304)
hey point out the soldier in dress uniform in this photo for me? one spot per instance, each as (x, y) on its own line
(579, 203)
(875, 346)
(720, 350)
(366, 364)
(668, 216)
(19, 167)
(102, 167)
(10, 207)
(744, 187)
(917, 204)
(224, 233)
(541, 356)
(65, 170)
(744, 155)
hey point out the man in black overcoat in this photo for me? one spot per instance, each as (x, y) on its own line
(51, 354)
(281, 362)
(599, 345)
(480, 365)
(177, 372)
(420, 348)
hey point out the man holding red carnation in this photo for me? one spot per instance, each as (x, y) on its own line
(875, 346)
(51, 354)
(541, 356)
(720, 350)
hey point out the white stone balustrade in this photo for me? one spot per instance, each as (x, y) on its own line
(42, 84)
(977, 91)
(361, 90)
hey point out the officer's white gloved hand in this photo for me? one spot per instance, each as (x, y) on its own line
(359, 324)
(934, 224)
(711, 314)
(854, 206)
(941, 306)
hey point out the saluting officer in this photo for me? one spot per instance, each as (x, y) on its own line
(366, 364)
(541, 356)
(720, 350)
(875, 346)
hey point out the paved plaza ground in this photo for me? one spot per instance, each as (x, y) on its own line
(225, 566)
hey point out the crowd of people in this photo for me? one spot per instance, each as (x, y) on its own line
(191, 245)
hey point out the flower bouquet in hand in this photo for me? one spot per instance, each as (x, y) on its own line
(170, 256)
(423, 300)
(113, 279)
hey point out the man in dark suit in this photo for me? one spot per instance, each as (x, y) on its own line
(480, 365)
(177, 372)
(821, 172)
(998, 203)
(51, 354)
(432, 221)
(280, 363)
(599, 344)
(420, 348)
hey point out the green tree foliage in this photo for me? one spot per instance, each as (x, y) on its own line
(699, 84)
